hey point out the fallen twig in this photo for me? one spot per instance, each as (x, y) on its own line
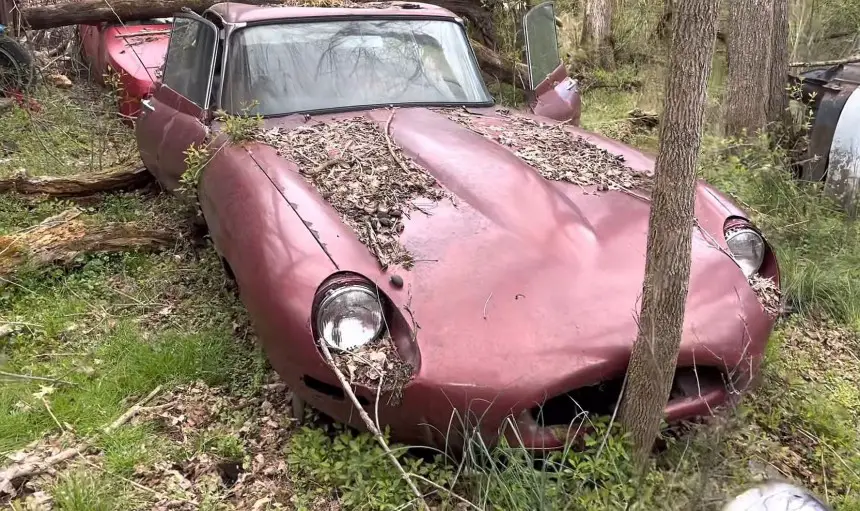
(34, 378)
(368, 422)
(31, 468)
(390, 145)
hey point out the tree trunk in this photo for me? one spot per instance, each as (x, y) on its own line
(748, 80)
(60, 239)
(667, 269)
(597, 32)
(79, 185)
(777, 104)
(97, 11)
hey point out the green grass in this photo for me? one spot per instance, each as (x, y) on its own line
(74, 131)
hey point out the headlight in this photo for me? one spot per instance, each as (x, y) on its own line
(349, 317)
(747, 248)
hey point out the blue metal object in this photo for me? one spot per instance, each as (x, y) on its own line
(2, 29)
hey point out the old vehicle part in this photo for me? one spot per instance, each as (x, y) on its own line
(507, 205)
(832, 155)
(825, 91)
(843, 169)
(747, 248)
(16, 65)
(553, 93)
(776, 496)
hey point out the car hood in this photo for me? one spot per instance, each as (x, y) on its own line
(521, 278)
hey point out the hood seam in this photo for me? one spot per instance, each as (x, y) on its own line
(281, 193)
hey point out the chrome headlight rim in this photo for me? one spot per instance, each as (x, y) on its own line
(330, 295)
(734, 231)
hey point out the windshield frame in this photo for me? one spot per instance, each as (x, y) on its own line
(237, 28)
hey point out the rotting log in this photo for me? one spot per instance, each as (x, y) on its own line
(501, 68)
(38, 17)
(78, 185)
(62, 238)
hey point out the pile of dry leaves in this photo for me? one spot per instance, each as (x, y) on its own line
(359, 170)
(375, 365)
(768, 294)
(555, 152)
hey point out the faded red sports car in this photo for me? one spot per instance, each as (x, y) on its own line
(465, 263)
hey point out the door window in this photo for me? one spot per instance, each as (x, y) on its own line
(541, 42)
(190, 55)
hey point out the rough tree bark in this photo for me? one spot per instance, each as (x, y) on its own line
(597, 32)
(748, 80)
(79, 185)
(777, 103)
(667, 269)
(60, 239)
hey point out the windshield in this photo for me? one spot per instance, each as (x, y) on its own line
(299, 67)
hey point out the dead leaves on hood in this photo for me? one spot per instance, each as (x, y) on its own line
(357, 168)
(554, 152)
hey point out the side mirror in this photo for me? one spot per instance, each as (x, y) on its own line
(776, 495)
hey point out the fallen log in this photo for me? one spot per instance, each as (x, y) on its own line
(641, 119)
(501, 68)
(38, 17)
(822, 63)
(62, 238)
(78, 185)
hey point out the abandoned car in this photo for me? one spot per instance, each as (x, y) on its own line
(468, 266)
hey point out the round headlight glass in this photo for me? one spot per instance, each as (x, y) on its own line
(747, 248)
(349, 317)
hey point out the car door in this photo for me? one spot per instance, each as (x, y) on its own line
(555, 94)
(173, 119)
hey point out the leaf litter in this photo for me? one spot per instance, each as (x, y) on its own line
(376, 365)
(768, 294)
(253, 477)
(365, 176)
(554, 152)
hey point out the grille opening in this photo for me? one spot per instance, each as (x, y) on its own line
(330, 390)
(597, 400)
(601, 399)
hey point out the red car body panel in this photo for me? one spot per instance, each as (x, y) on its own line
(523, 290)
(133, 51)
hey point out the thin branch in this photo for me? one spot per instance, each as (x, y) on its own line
(368, 422)
(35, 378)
(833, 62)
(16, 471)
(390, 145)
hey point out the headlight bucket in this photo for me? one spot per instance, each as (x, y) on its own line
(349, 315)
(747, 247)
